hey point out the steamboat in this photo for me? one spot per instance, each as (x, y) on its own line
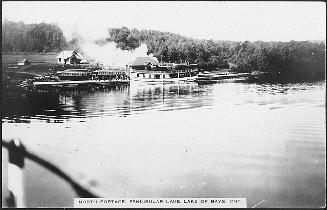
(150, 71)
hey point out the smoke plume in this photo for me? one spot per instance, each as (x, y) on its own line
(110, 55)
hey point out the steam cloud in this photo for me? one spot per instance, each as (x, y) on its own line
(109, 55)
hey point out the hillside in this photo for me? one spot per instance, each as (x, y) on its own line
(293, 60)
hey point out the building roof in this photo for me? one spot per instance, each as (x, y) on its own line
(69, 53)
(23, 60)
(116, 68)
(139, 61)
(66, 54)
(80, 56)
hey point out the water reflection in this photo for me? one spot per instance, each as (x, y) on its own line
(58, 106)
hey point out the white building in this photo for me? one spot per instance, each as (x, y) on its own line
(71, 57)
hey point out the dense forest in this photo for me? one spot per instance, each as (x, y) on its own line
(21, 37)
(300, 59)
(303, 59)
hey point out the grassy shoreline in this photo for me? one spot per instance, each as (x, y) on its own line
(41, 63)
(14, 58)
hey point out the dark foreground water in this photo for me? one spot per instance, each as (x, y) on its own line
(263, 142)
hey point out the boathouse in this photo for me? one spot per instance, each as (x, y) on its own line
(141, 62)
(71, 57)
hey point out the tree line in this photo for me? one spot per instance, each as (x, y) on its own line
(300, 58)
(21, 37)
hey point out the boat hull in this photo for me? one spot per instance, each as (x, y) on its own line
(212, 78)
(78, 84)
(165, 80)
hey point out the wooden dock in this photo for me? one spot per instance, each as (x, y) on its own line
(83, 82)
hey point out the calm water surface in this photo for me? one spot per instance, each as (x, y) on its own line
(263, 142)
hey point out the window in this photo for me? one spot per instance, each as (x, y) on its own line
(59, 59)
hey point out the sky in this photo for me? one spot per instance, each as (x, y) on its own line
(236, 21)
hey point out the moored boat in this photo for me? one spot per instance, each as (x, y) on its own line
(163, 73)
(208, 77)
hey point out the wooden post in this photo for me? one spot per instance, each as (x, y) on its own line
(16, 153)
(178, 76)
(178, 91)
(163, 92)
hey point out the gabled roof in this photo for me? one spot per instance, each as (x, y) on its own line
(139, 61)
(69, 53)
(79, 56)
(66, 54)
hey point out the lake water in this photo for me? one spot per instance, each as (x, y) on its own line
(263, 142)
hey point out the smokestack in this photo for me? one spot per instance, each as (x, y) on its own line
(127, 70)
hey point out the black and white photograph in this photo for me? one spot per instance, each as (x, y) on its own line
(151, 104)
